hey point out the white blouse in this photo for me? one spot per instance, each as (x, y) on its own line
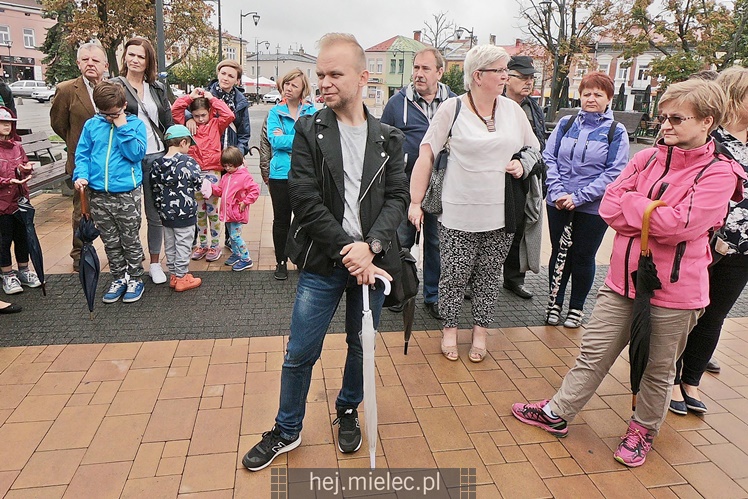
(473, 192)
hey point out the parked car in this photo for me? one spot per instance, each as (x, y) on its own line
(45, 95)
(24, 88)
(272, 97)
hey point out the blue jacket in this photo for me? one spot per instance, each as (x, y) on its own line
(279, 118)
(174, 182)
(410, 119)
(581, 163)
(109, 156)
(238, 134)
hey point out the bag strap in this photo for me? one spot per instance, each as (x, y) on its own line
(457, 112)
(134, 93)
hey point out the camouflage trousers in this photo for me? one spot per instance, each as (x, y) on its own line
(117, 216)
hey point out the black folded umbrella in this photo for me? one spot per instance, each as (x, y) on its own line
(89, 269)
(645, 283)
(410, 290)
(25, 214)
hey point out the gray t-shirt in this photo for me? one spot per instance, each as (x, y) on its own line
(353, 145)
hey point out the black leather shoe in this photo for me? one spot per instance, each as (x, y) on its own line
(678, 407)
(712, 366)
(518, 290)
(693, 404)
(433, 310)
(396, 308)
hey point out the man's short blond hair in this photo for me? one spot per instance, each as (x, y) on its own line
(433, 51)
(331, 39)
(706, 98)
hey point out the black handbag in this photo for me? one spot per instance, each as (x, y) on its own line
(432, 200)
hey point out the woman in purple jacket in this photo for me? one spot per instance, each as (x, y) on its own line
(582, 159)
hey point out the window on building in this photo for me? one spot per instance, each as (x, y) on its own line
(4, 33)
(643, 73)
(372, 92)
(401, 67)
(603, 68)
(581, 69)
(371, 65)
(623, 73)
(29, 40)
(231, 53)
(253, 70)
(393, 65)
(380, 66)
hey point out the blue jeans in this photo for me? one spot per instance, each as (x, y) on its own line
(406, 233)
(317, 298)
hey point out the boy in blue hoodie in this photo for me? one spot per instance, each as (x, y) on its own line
(107, 160)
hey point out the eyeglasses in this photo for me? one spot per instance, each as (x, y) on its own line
(522, 77)
(110, 115)
(674, 120)
(498, 71)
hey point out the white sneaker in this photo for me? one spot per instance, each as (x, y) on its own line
(157, 273)
(11, 284)
(28, 277)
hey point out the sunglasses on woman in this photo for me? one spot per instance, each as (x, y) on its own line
(674, 120)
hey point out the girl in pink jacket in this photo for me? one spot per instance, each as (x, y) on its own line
(696, 183)
(237, 190)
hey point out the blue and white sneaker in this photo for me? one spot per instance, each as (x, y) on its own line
(116, 289)
(135, 289)
(230, 261)
(242, 265)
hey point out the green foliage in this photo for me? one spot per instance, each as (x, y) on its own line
(61, 54)
(195, 70)
(454, 79)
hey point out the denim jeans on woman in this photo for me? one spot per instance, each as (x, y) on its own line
(317, 298)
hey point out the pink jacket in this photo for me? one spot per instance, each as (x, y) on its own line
(233, 188)
(12, 157)
(696, 185)
(207, 151)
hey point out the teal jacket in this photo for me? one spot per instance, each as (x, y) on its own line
(279, 118)
(109, 157)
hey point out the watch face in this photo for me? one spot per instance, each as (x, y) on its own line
(376, 246)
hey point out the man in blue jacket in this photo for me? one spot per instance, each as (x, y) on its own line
(411, 110)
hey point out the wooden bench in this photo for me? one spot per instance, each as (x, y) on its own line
(37, 145)
(48, 174)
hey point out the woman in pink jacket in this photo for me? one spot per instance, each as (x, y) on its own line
(696, 183)
(237, 190)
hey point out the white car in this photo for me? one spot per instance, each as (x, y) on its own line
(24, 88)
(45, 95)
(272, 97)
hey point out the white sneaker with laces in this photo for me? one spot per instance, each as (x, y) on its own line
(28, 277)
(157, 273)
(11, 284)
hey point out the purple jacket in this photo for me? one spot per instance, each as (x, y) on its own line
(581, 163)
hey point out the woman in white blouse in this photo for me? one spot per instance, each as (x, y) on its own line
(475, 228)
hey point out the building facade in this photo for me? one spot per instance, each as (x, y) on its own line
(22, 31)
(274, 64)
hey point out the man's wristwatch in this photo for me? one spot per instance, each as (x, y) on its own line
(375, 246)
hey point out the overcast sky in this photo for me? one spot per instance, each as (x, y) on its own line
(291, 22)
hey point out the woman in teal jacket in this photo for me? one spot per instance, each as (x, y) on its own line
(282, 117)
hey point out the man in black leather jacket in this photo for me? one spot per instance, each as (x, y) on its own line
(349, 193)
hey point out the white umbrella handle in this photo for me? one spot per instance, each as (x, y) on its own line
(365, 293)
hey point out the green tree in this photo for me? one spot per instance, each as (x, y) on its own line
(60, 53)
(114, 21)
(690, 35)
(195, 70)
(454, 79)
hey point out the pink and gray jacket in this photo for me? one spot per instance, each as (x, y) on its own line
(696, 185)
(233, 188)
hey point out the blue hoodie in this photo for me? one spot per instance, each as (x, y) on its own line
(279, 118)
(581, 163)
(109, 156)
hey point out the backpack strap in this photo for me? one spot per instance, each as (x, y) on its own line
(567, 126)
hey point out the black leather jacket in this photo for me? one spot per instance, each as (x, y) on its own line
(158, 92)
(317, 193)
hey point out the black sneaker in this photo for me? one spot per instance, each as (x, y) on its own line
(349, 433)
(261, 455)
(281, 271)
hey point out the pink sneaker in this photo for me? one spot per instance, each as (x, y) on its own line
(199, 253)
(632, 451)
(213, 254)
(534, 415)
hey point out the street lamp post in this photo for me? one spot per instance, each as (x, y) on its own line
(160, 43)
(256, 19)
(257, 72)
(9, 44)
(460, 30)
(277, 52)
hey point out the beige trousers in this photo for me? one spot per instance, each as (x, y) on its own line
(606, 335)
